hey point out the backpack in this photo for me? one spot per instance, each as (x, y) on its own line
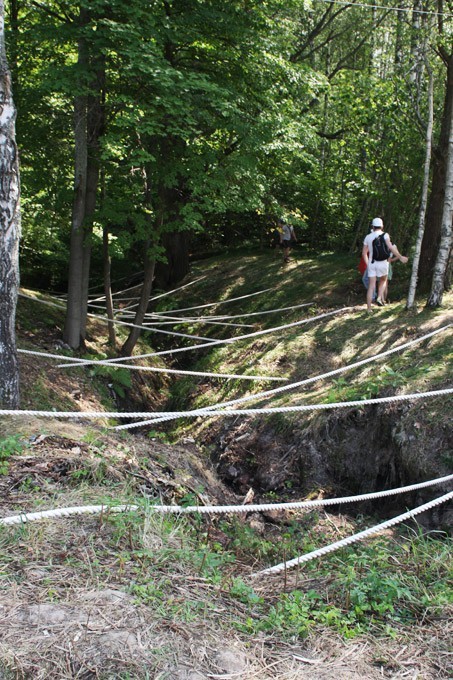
(381, 250)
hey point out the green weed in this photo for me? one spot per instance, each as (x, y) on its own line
(119, 379)
(8, 447)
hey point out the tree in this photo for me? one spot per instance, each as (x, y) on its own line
(445, 245)
(89, 123)
(424, 197)
(9, 232)
(434, 215)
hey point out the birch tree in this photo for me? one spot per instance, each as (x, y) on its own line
(444, 252)
(9, 232)
(424, 197)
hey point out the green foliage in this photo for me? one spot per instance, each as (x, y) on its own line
(9, 446)
(119, 379)
(230, 114)
(381, 586)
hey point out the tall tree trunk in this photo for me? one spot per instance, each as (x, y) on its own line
(424, 197)
(95, 129)
(89, 123)
(444, 254)
(176, 267)
(13, 51)
(431, 238)
(73, 325)
(9, 232)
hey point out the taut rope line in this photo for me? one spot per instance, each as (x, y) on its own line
(118, 322)
(219, 509)
(355, 537)
(226, 341)
(157, 369)
(306, 381)
(93, 415)
(287, 409)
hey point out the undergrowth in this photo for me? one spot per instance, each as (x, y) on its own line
(384, 586)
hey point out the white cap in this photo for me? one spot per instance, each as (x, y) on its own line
(377, 222)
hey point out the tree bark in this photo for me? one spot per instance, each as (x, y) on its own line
(9, 232)
(89, 124)
(95, 129)
(431, 238)
(73, 325)
(444, 253)
(177, 265)
(143, 303)
(424, 196)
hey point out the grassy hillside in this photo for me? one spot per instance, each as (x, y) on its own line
(141, 595)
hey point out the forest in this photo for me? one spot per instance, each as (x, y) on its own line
(216, 461)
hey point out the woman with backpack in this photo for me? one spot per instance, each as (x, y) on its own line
(376, 251)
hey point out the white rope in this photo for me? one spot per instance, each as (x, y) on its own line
(354, 538)
(294, 505)
(218, 319)
(306, 381)
(175, 290)
(224, 412)
(156, 369)
(225, 341)
(266, 311)
(176, 509)
(122, 323)
(220, 302)
(287, 409)
(119, 292)
(65, 512)
(157, 320)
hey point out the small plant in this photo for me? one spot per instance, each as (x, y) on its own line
(244, 593)
(8, 447)
(119, 379)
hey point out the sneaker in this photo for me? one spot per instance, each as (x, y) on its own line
(380, 303)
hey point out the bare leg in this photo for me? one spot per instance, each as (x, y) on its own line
(382, 288)
(369, 293)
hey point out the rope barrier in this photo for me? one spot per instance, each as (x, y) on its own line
(294, 505)
(220, 302)
(354, 538)
(157, 369)
(156, 320)
(286, 409)
(306, 381)
(120, 323)
(224, 509)
(266, 311)
(224, 412)
(65, 512)
(175, 290)
(225, 341)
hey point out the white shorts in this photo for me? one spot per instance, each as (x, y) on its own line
(377, 269)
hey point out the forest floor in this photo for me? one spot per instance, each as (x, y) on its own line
(140, 595)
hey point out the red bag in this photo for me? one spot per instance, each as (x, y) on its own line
(362, 267)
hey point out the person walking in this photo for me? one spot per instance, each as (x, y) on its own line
(376, 251)
(287, 235)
